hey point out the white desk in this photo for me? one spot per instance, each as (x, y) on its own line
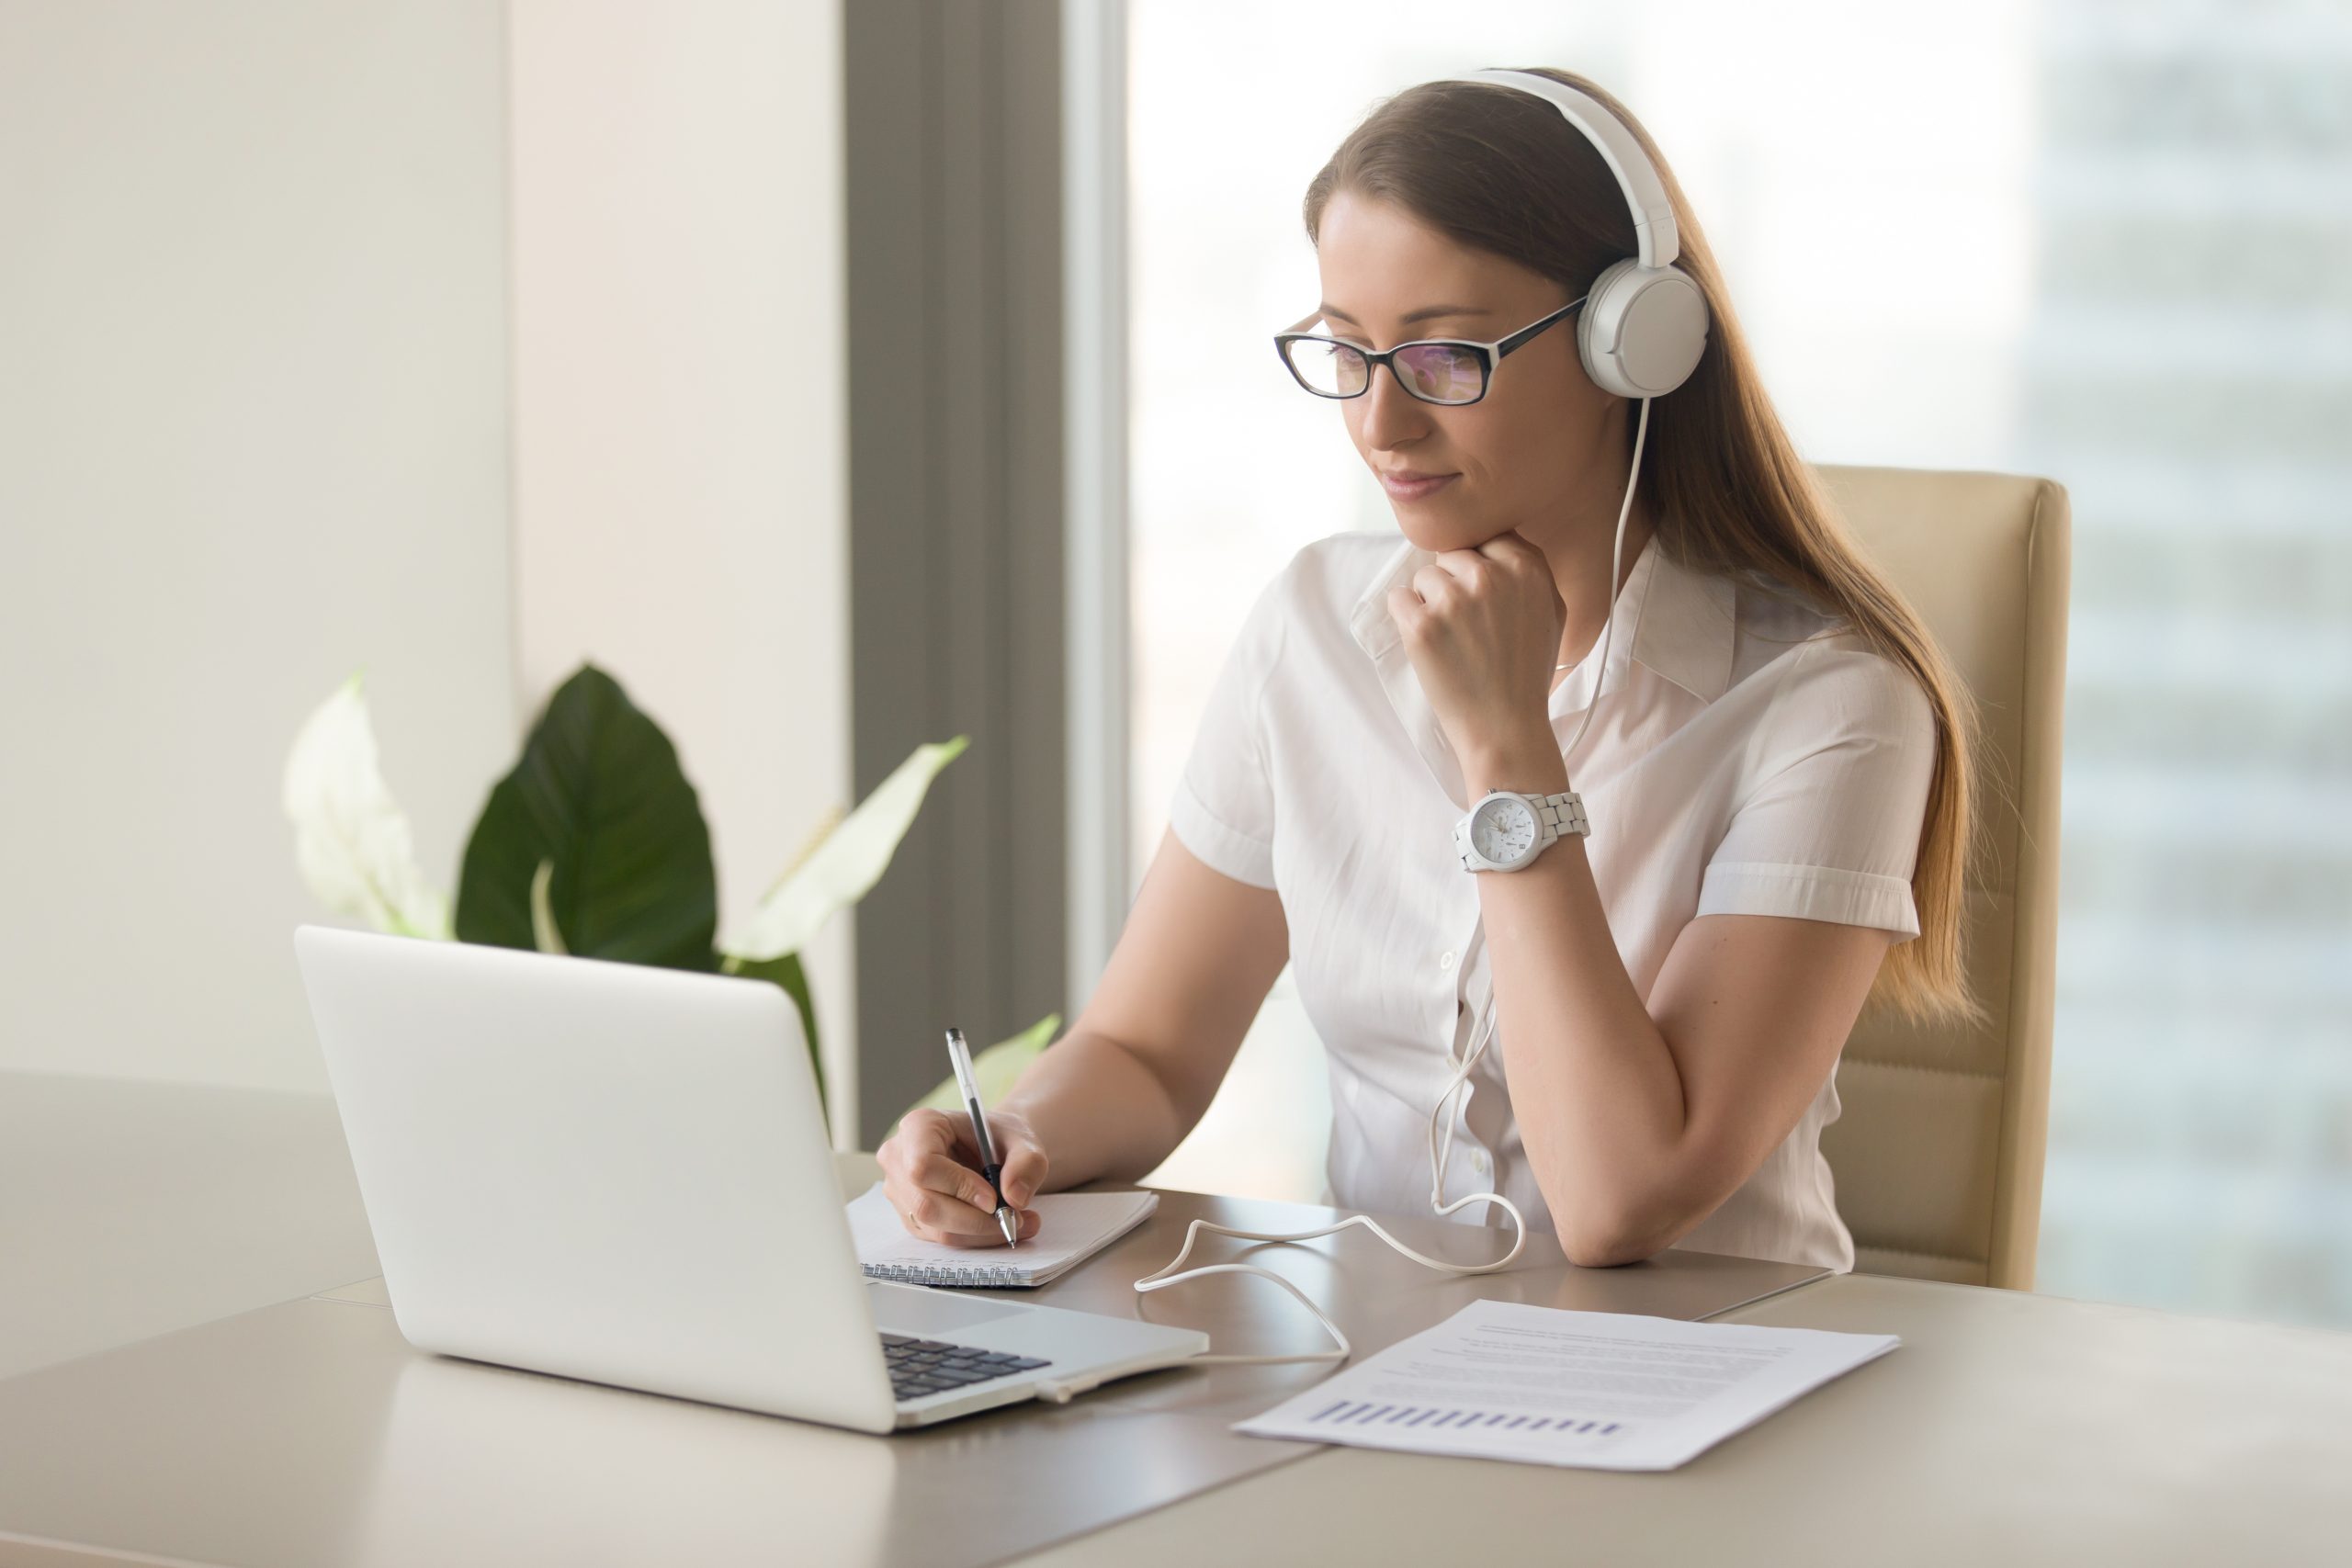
(2009, 1429)
(2014, 1429)
(310, 1433)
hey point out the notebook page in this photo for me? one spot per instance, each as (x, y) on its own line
(1071, 1227)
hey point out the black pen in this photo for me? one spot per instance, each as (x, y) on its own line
(960, 1055)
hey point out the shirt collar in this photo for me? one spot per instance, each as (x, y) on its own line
(1672, 619)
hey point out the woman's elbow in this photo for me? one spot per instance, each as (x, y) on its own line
(1590, 1247)
(1605, 1238)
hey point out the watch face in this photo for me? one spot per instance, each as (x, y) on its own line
(1503, 830)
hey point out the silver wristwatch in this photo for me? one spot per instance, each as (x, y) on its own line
(1506, 831)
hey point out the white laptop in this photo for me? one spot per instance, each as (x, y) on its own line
(619, 1173)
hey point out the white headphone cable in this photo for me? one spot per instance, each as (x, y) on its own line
(1161, 1278)
(1616, 555)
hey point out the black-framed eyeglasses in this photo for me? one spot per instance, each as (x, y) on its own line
(1451, 371)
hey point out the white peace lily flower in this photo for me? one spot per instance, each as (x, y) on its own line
(351, 841)
(544, 930)
(847, 864)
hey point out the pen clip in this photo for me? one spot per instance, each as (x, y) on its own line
(959, 1056)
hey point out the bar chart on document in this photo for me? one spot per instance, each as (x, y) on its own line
(1437, 1418)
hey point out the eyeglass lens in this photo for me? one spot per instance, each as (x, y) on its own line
(1432, 371)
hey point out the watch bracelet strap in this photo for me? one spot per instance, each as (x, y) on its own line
(1563, 813)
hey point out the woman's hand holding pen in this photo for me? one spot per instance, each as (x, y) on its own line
(930, 1174)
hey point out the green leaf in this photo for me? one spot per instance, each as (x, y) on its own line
(786, 971)
(996, 1068)
(852, 858)
(352, 842)
(598, 793)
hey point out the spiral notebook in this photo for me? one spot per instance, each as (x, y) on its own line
(1071, 1228)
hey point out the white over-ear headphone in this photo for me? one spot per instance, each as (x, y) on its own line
(1640, 334)
(1643, 329)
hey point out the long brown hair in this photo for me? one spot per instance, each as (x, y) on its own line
(1503, 171)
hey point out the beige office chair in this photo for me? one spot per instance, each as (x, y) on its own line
(1938, 1152)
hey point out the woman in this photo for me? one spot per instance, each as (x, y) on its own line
(1772, 752)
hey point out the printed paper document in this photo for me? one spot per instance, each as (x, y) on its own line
(1600, 1389)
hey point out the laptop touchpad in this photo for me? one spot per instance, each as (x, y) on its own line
(899, 1310)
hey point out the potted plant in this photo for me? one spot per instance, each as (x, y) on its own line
(594, 844)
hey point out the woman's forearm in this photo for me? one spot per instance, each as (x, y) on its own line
(1098, 1110)
(1594, 1084)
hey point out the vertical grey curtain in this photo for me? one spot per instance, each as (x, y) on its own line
(953, 190)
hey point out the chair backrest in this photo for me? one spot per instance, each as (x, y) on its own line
(1938, 1153)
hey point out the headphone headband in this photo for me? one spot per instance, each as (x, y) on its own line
(1646, 326)
(1657, 244)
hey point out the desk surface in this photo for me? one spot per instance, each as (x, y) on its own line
(310, 1433)
(2008, 1428)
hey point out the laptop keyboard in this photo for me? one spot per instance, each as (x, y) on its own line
(919, 1367)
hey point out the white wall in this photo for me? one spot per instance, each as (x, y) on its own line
(681, 442)
(253, 435)
(288, 385)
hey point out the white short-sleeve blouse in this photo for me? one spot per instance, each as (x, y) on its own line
(1748, 757)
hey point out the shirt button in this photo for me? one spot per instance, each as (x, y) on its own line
(1445, 959)
(1478, 1163)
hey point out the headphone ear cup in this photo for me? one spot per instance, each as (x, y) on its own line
(1643, 331)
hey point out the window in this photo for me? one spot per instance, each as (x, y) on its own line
(2116, 254)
